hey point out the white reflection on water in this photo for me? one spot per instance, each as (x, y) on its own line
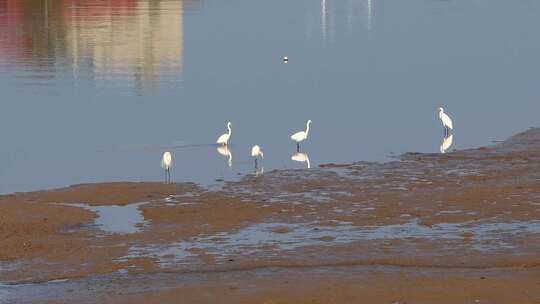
(226, 151)
(258, 171)
(323, 19)
(369, 13)
(446, 143)
(302, 158)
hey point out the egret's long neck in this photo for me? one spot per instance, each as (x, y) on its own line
(441, 111)
(230, 131)
(307, 128)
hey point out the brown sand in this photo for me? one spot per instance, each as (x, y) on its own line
(357, 285)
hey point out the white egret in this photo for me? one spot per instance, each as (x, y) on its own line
(302, 158)
(447, 142)
(224, 138)
(285, 59)
(225, 151)
(301, 136)
(256, 151)
(166, 163)
(446, 121)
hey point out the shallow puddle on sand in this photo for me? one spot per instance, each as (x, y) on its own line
(269, 238)
(117, 219)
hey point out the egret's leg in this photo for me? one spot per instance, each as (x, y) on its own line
(256, 165)
(297, 147)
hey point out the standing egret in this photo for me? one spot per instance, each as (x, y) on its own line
(225, 151)
(166, 163)
(256, 151)
(446, 121)
(447, 142)
(301, 136)
(302, 158)
(224, 138)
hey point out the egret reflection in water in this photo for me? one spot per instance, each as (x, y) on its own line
(302, 158)
(226, 151)
(447, 143)
(258, 171)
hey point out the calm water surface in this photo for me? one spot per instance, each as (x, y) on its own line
(96, 90)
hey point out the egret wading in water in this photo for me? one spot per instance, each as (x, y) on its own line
(256, 151)
(446, 121)
(301, 136)
(224, 138)
(166, 163)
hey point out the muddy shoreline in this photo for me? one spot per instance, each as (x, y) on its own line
(426, 228)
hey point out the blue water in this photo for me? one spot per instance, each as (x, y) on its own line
(117, 219)
(96, 90)
(257, 239)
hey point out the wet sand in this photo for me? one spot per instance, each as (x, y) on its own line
(462, 227)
